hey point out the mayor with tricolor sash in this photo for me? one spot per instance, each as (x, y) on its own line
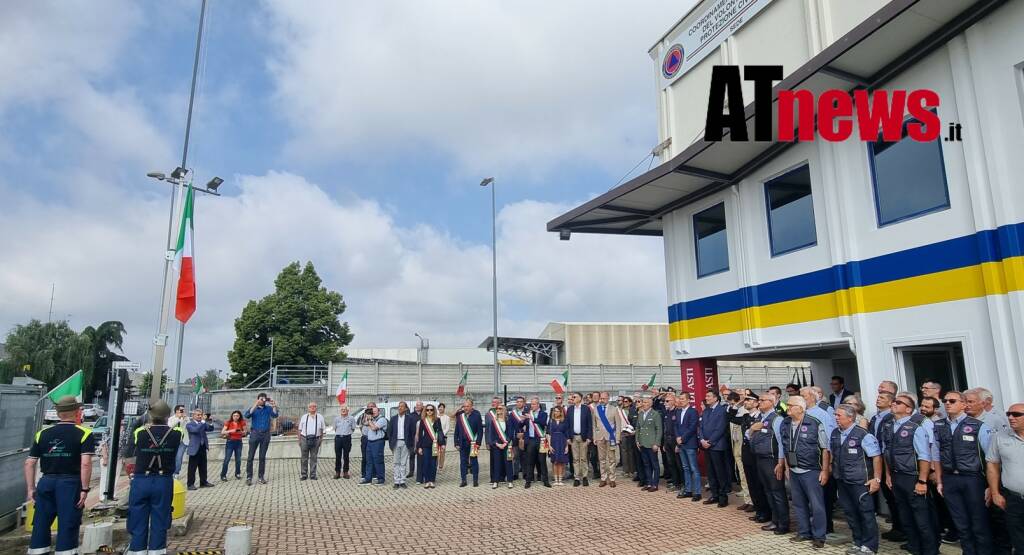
(608, 424)
(468, 429)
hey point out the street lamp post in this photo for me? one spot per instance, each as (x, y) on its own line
(494, 280)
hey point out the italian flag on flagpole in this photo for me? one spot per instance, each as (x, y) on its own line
(342, 392)
(461, 391)
(650, 382)
(71, 386)
(185, 306)
(200, 387)
(560, 383)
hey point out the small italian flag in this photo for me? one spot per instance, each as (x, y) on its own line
(650, 382)
(461, 391)
(200, 386)
(342, 392)
(560, 383)
(71, 386)
(185, 306)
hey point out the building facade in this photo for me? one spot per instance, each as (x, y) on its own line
(873, 259)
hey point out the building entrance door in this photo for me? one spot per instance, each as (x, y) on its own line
(941, 362)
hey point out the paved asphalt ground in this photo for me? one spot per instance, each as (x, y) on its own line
(339, 516)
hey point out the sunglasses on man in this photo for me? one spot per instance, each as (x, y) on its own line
(951, 401)
(1014, 414)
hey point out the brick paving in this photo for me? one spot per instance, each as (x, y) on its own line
(338, 516)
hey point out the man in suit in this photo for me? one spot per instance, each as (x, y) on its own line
(607, 436)
(401, 438)
(468, 434)
(686, 446)
(417, 415)
(535, 424)
(839, 392)
(198, 445)
(649, 435)
(581, 435)
(714, 439)
(669, 419)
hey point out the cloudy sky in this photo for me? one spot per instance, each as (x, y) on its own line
(351, 134)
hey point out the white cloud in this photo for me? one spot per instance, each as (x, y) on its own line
(515, 86)
(106, 260)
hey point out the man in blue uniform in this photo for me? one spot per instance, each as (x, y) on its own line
(807, 458)
(64, 452)
(763, 436)
(907, 448)
(857, 470)
(149, 501)
(963, 444)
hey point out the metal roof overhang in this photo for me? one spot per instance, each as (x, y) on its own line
(871, 54)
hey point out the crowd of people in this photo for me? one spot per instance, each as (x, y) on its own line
(947, 466)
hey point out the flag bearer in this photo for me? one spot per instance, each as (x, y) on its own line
(64, 452)
(152, 489)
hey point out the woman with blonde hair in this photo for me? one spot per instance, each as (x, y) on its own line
(499, 444)
(558, 440)
(430, 442)
(856, 402)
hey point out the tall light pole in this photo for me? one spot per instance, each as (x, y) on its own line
(494, 280)
(160, 341)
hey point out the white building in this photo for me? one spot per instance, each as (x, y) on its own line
(871, 260)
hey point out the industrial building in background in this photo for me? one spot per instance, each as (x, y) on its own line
(869, 259)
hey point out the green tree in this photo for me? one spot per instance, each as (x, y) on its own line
(211, 379)
(303, 318)
(103, 340)
(51, 352)
(147, 384)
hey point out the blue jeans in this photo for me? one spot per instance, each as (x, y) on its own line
(149, 512)
(375, 464)
(56, 497)
(691, 472)
(651, 474)
(178, 457)
(232, 446)
(809, 504)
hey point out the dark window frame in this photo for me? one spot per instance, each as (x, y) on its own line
(696, 240)
(874, 180)
(768, 213)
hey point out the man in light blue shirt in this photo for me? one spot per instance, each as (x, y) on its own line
(822, 412)
(908, 453)
(374, 428)
(260, 415)
(853, 448)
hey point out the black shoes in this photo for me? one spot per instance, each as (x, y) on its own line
(695, 498)
(527, 486)
(462, 484)
(575, 483)
(206, 485)
(586, 482)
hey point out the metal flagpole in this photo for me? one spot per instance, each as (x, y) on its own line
(184, 160)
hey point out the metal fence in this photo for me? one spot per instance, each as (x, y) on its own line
(20, 414)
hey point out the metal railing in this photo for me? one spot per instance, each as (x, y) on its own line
(299, 376)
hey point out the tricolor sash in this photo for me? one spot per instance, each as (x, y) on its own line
(429, 429)
(464, 422)
(602, 413)
(626, 428)
(499, 431)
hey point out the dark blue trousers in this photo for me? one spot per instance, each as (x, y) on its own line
(916, 515)
(965, 499)
(468, 464)
(232, 447)
(427, 465)
(149, 512)
(809, 504)
(502, 469)
(859, 508)
(56, 497)
(775, 491)
(375, 464)
(651, 467)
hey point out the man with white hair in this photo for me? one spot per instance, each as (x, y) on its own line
(807, 458)
(824, 413)
(981, 397)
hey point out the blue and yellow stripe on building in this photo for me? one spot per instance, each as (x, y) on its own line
(989, 262)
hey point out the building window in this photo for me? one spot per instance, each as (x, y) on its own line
(711, 241)
(909, 178)
(790, 211)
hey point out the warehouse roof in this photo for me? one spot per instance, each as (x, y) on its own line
(872, 53)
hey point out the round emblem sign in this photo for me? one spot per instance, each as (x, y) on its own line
(904, 433)
(968, 429)
(803, 428)
(673, 61)
(853, 443)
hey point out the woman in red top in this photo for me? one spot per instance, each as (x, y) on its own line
(233, 431)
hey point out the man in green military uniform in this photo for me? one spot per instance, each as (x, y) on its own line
(155, 447)
(64, 452)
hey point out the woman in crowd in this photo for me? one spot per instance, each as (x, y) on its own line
(856, 402)
(446, 426)
(558, 437)
(499, 438)
(233, 431)
(430, 443)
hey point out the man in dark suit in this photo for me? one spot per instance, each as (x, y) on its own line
(469, 429)
(839, 392)
(534, 426)
(401, 439)
(198, 445)
(714, 439)
(581, 434)
(686, 446)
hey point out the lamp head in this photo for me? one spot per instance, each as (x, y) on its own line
(213, 184)
(156, 175)
(487, 182)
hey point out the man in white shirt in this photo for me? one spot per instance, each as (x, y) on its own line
(311, 434)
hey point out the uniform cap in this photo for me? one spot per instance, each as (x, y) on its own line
(160, 409)
(67, 403)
